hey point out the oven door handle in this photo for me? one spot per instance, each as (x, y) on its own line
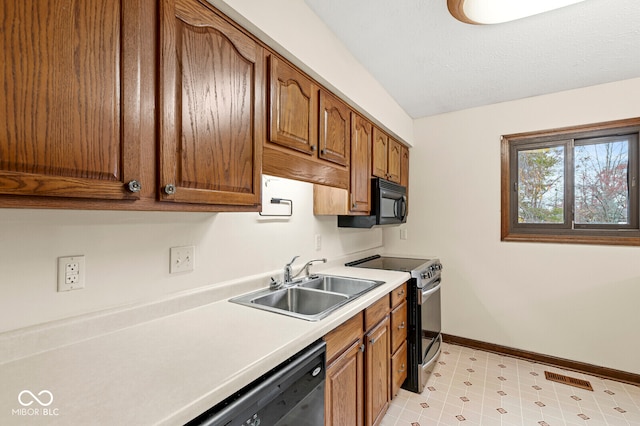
(424, 295)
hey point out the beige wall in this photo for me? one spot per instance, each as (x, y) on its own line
(572, 301)
(127, 253)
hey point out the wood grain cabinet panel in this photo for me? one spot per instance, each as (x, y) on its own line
(380, 152)
(360, 184)
(404, 167)
(377, 386)
(212, 108)
(394, 158)
(334, 129)
(70, 98)
(344, 389)
(387, 157)
(293, 117)
(398, 368)
(398, 326)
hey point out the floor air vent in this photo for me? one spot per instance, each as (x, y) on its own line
(561, 378)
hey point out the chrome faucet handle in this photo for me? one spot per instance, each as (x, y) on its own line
(287, 271)
(274, 285)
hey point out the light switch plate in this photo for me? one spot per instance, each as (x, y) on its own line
(182, 259)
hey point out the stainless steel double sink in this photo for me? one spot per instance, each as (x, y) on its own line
(311, 298)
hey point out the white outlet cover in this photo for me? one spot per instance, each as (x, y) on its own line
(71, 273)
(182, 259)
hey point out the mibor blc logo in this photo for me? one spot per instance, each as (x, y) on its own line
(35, 404)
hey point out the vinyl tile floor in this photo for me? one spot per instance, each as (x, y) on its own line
(470, 387)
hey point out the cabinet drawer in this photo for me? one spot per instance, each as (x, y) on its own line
(398, 295)
(398, 326)
(398, 369)
(339, 339)
(376, 312)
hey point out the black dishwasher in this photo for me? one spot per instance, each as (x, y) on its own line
(290, 394)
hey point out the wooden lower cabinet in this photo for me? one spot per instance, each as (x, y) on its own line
(367, 362)
(344, 388)
(377, 373)
(398, 368)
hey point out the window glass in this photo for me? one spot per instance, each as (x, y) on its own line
(601, 183)
(541, 185)
(576, 184)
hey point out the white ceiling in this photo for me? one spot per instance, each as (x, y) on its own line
(431, 63)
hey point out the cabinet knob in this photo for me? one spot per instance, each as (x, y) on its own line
(169, 189)
(134, 186)
(402, 368)
(401, 326)
(323, 151)
(312, 148)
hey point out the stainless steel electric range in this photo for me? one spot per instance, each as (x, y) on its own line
(424, 338)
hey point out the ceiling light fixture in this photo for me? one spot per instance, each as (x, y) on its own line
(498, 11)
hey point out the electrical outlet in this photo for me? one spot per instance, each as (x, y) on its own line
(182, 259)
(318, 242)
(403, 233)
(71, 273)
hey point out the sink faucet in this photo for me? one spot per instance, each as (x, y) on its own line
(288, 270)
(306, 267)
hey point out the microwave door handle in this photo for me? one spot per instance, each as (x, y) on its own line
(400, 208)
(404, 208)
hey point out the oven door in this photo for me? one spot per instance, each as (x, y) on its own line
(429, 301)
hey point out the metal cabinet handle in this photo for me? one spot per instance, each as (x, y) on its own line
(401, 326)
(170, 189)
(402, 368)
(134, 186)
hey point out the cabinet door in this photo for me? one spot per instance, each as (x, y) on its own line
(344, 388)
(212, 111)
(70, 98)
(335, 129)
(377, 373)
(360, 190)
(398, 369)
(394, 159)
(398, 326)
(404, 167)
(292, 111)
(380, 149)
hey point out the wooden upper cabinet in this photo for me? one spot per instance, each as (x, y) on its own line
(70, 98)
(380, 152)
(404, 167)
(211, 108)
(387, 153)
(293, 108)
(394, 158)
(335, 129)
(360, 188)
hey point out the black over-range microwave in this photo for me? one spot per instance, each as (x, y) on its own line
(388, 206)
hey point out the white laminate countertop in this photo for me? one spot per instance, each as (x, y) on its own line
(167, 370)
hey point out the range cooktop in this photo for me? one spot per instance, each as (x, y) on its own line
(389, 263)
